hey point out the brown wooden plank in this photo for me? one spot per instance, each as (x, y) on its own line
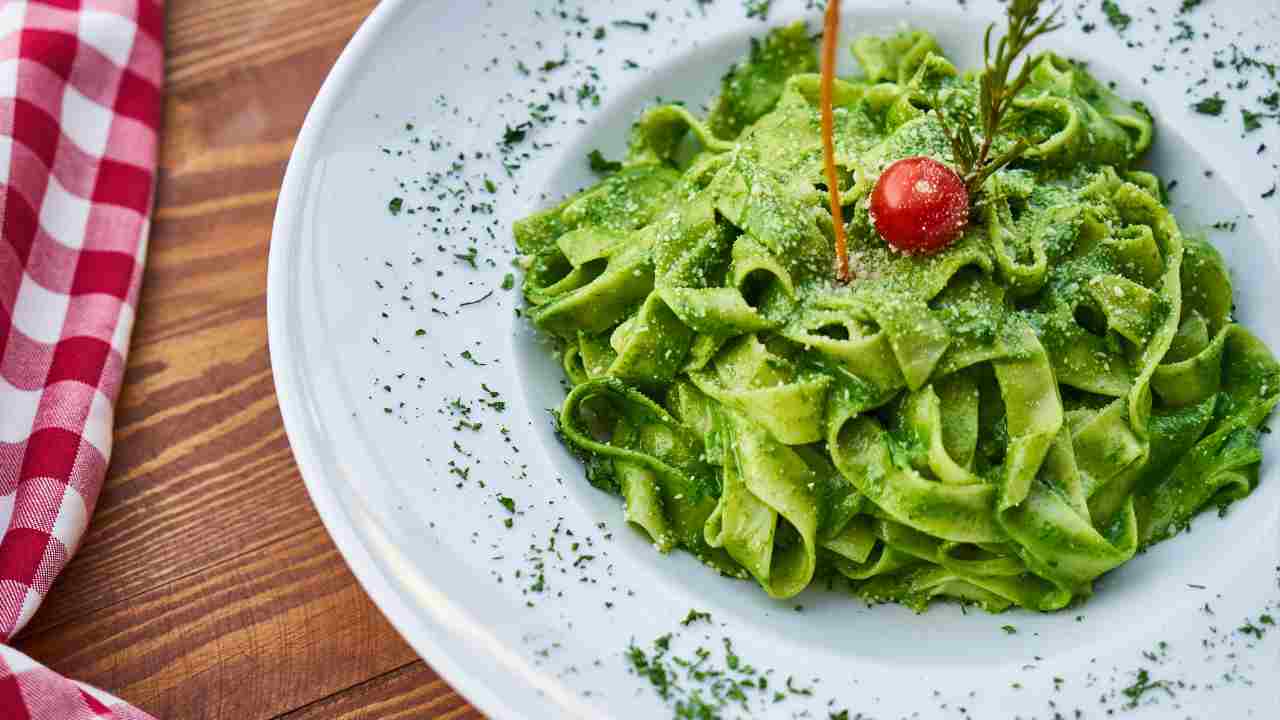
(209, 40)
(252, 638)
(201, 467)
(411, 691)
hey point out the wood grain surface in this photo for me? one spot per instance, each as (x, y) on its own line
(206, 586)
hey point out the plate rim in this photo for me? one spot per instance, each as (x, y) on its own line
(427, 628)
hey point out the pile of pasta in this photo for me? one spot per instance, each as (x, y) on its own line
(1001, 422)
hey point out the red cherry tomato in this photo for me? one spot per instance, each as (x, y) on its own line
(919, 205)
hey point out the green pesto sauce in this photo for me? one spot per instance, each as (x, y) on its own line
(1000, 423)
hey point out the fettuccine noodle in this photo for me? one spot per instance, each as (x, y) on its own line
(1001, 422)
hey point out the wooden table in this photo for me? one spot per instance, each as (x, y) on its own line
(206, 586)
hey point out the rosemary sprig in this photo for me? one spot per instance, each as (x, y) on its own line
(996, 94)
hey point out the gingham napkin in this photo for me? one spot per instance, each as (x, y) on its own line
(80, 88)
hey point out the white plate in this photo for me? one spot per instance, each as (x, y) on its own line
(437, 558)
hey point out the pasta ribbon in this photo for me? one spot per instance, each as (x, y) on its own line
(1000, 423)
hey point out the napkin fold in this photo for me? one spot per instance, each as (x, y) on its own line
(80, 85)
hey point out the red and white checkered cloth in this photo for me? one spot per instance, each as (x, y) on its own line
(80, 84)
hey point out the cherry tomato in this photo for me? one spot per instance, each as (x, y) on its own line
(919, 205)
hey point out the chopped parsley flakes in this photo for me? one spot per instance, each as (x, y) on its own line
(632, 24)
(601, 165)
(1142, 685)
(513, 135)
(1117, 17)
(695, 616)
(1252, 120)
(469, 257)
(758, 9)
(1210, 105)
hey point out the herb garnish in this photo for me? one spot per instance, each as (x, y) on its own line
(1117, 17)
(550, 65)
(632, 24)
(791, 685)
(587, 91)
(469, 257)
(696, 687)
(1249, 628)
(477, 301)
(1210, 105)
(694, 616)
(396, 205)
(513, 135)
(758, 8)
(601, 165)
(997, 93)
(1141, 686)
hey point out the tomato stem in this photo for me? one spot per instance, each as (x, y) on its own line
(830, 34)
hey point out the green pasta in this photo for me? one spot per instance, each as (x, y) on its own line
(1001, 422)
